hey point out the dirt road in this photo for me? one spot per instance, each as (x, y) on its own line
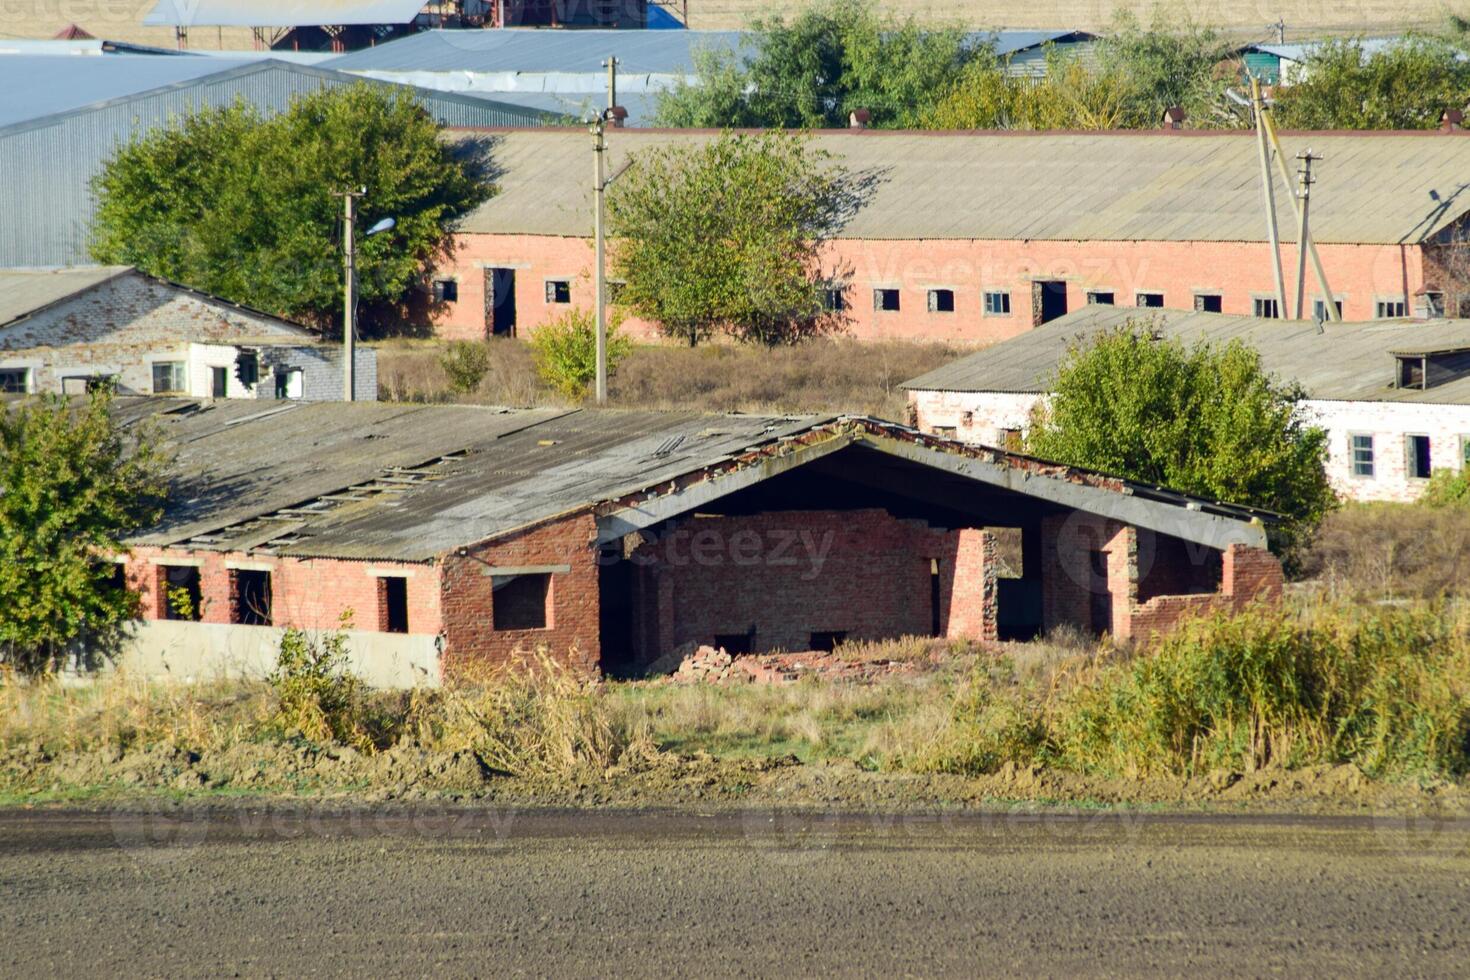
(759, 892)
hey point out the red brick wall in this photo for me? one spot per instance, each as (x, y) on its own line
(1239, 271)
(306, 593)
(572, 634)
(789, 574)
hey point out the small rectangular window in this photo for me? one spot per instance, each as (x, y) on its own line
(1009, 439)
(15, 381)
(834, 299)
(1209, 302)
(169, 378)
(289, 383)
(1411, 372)
(997, 303)
(520, 601)
(393, 604)
(250, 597)
(1267, 308)
(945, 431)
(1390, 309)
(1099, 297)
(941, 301)
(446, 291)
(1149, 301)
(1418, 465)
(1319, 309)
(885, 300)
(180, 596)
(1361, 445)
(826, 641)
(219, 382)
(558, 291)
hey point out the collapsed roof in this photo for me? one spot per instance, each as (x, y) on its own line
(381, 481)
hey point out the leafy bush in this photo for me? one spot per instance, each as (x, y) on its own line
(991, 724)
(566, 351)
(318, 695)
(465, 363)
(1447, 488)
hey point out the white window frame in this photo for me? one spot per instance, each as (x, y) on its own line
(1372, 473)
(27, 378)
(1409, 438)
(182, 366)
(1400, 302)
(1004, 296)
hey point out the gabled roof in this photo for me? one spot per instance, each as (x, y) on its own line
(1371, 188)
(384, 481)
(281, 13)
(1338, 362)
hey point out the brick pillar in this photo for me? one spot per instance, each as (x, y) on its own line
(972, 606)
(1251, 573)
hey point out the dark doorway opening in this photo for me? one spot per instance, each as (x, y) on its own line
(393, 604)
(1099, 596)
(615, 590)
(825, 641)
(736, 644)
(219, 382)
(500, 302)
(250, 597)
(1049, 300)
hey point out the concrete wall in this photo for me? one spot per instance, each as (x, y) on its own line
(980, 416)
(190, 652)
(1237, 271)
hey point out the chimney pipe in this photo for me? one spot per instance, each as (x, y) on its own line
(859, 118)
(1174, 117)
(1451, 121)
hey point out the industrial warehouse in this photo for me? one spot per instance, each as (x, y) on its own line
(609, 539)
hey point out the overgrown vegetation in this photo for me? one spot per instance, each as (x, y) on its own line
(728, 237)
(827, 375)
(565, 351)
(1408, 84)
(73, 483)
(318, 695)
(465, 364)
(1392, 551)
(249, 207)
(1207, 420)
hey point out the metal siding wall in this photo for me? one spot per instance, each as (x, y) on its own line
(46, 202)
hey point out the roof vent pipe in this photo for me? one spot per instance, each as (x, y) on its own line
(1451, 121)
(1174, 117)
(859, 119)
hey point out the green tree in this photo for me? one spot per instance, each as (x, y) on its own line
(728, 236)
(1206, 420)
(1407, 85)
(566, 351)
(244, 206)
(1172, 64)
(73, 483)
(1072, 95)
(811, 71)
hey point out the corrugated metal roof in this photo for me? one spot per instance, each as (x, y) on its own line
(24, 291)
(540, 51)
(280, 13)
(33, 86)
(1341, 362)
(381, 481)
(1186, 186)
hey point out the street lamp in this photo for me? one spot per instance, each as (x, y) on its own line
(597, 126)
(349, 290)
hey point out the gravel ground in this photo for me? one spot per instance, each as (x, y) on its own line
(394, 890)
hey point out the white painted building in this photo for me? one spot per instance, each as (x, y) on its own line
(1393, 395)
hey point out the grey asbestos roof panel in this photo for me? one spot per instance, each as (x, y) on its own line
(24, 291)
(1341, 362)
(1372, 188)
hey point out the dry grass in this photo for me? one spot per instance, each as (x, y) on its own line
(838, 375)
(1392, 551)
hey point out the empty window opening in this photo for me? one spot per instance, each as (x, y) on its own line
(1100, 297)
(1419, 462)
(180, 594)
(219, 382)
(558, 291)
(169, 378)
(997, 303)
(825, 641)
(1411, 372)
(736, 644)
(834, 299)
(885, 300)
(1434, 305)
(1390, 309)
(1009, 439)
(521, 602)
(446, 291)
(289, 383)
(1099, 593)
(247, 368)
(15, 381)
(1209, 302)
(1319, 309)
(941, 301)
(393, 604)
(945, 431)
(1150, 301)
(1361, 446)
(1267, 308)
(250, 597)
(936, 624)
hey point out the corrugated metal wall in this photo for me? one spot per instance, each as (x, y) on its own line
(47, 166)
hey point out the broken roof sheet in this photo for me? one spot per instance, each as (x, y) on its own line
(1339, 362)
(382, 481)
(1372, 188)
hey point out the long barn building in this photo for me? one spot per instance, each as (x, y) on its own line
(978, 237)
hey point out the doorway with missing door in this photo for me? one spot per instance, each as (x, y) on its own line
(500, 302)
(1048, 300)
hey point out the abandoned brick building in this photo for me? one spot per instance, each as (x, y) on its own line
(612, 538)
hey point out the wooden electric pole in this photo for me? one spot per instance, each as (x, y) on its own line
(1304, 180)
(1273, 233)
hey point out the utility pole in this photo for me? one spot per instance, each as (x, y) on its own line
(1273, 233)
(611, 64)
(599, 187)
(1304, 181)
(1312, 253)
(349, 294)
